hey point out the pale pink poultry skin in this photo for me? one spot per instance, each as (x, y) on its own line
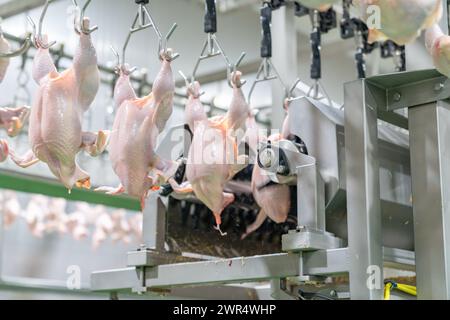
(137, 124)
(13, 119)
(402, 20)
(194, 111)
(274, 200)
(4, 62)
(55, 132)
(438, 45)
(213, 159)
(4, 150)
(321, 5)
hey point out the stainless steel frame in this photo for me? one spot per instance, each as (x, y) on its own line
(430, 156)
(363, 191)
(368, 100)
(310, 258)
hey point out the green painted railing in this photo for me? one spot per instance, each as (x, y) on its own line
(38, 185)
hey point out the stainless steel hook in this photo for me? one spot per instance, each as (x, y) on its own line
(140, 23)
(232, 70)
(24, 48)
(314, 92)
(290, 96)
(79, 25)
(37, 38)
(188, 84)
(211, 49)
(266, 72)
(121, 67)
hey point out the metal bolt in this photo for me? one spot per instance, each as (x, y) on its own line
(397, 97)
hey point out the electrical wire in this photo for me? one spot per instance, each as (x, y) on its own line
(391, 285)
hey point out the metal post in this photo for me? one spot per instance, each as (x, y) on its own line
(154, 223)
(310, 197)
(285, 60)
(363, 193)
(430, 168)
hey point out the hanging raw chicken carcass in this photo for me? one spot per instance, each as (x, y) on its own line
(438, 45)
(11, 119)
(273, 199)
(137, 125)
(103, 227)
(139, 121)
(55, 132)
(213, 158)
(400, 20)
(11, 208)
(76, 225)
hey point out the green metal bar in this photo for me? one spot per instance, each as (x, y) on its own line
(39, 185)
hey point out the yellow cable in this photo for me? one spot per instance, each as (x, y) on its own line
(387, 291)
(411, 290)
(407, 289)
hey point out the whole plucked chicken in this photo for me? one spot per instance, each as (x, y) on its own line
(400, 20)
(274, 200)
(13, 119)
(55, 131)
(321, 5)
(213, 158)
(137, 124)
(438, 45)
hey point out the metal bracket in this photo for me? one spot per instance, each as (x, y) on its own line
(285, 164)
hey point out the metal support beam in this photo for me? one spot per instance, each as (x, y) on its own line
(285, 59)
(430, 167)
(363, 191)
(239, 270)
(311, 198)
(154, 223)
